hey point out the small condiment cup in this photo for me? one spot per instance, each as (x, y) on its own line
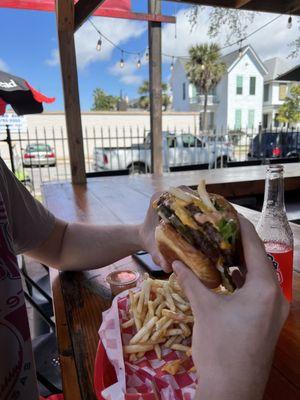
(122, 280)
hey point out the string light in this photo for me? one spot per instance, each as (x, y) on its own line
(122, 60)
(240, 49)
(99, 44)
(202, 66)
(172, 65)
(290, 22)
(139, 64)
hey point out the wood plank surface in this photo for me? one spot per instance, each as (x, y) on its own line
(80, 298)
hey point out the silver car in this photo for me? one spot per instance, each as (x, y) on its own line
(38, 154)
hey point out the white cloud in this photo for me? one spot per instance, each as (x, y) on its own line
(272, 41)
(3, 65)
(54, 58)
(118, 31)
(129, 74)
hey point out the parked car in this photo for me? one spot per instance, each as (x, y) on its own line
(182, 149)
(281, 144)
(38, 154)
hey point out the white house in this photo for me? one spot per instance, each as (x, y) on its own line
(236, 102)
(274, 91)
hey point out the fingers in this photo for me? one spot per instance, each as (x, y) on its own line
(258, 266)
(192, 286)
(159, 260)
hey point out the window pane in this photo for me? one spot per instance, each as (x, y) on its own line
(282, 91)
(239, 84)
(238, 119)
(266, 92)
(252, 84)
(251, 119)
(188, 140)
(183, 91)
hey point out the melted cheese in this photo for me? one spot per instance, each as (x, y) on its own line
(178, 207)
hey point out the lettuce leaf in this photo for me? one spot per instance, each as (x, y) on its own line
(228, 230)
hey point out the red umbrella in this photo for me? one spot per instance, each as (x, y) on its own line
(22, 97)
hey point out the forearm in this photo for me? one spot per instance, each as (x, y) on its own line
(90, 246)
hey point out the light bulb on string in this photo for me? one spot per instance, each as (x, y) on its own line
(147, 55)
(122, 62)
(202, 67)
(240, 49)
(139, 64)
(99, 44)
(172, 64)
(290, 22)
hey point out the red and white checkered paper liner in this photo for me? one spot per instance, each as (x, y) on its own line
(144, 379)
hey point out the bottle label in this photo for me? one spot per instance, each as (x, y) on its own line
(276, 267)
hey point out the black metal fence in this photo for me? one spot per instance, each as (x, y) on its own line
(42, 155)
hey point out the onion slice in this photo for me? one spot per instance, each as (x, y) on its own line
(180, 194)
(204, 196)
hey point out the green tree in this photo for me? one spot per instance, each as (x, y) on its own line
(144, 100)
(289, 111)
(205, 69)
(103, 101)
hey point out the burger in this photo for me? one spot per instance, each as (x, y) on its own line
(202, 230)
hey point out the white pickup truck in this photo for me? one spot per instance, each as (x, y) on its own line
(181, 150)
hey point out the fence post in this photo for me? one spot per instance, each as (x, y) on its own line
(11, 154)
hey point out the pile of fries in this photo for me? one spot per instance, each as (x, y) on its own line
(162, 317)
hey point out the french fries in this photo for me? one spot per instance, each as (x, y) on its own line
(162, 317)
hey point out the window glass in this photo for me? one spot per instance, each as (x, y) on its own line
(188, 140)
(282, 91)
(38, 147)
(266, 92)
(251, 119)
(171, 141)
(239, 84)
(252, 85)
(238, 119)
(183, 91)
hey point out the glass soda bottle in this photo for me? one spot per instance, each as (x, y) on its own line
(274, 229)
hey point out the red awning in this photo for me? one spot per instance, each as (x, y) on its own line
(49, 5)
(110, 8)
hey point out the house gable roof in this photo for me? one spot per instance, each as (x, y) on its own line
(276, 66)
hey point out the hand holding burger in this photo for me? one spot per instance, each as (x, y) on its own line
(202, 230)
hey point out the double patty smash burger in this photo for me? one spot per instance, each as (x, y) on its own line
(202, 230)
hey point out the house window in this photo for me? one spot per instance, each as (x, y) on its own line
(211, 120)
(238, 119)
(276, 122)
(251, 119)
(252, 85)
(183, 91)
(265, 120)
(266, 92)
(239, 84)
(282, 91)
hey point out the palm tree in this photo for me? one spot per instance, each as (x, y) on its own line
(144, 101)
(205, 69)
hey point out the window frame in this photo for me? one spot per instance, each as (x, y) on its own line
(281, 85)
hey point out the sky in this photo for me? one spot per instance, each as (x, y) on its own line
(30, 48)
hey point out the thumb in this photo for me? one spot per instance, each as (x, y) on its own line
(191, 284)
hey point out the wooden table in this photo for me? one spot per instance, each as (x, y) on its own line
(80, 298)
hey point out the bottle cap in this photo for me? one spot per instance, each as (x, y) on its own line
(275, 168)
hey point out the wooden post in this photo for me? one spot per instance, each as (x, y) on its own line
(65, 28)
(154, 32)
